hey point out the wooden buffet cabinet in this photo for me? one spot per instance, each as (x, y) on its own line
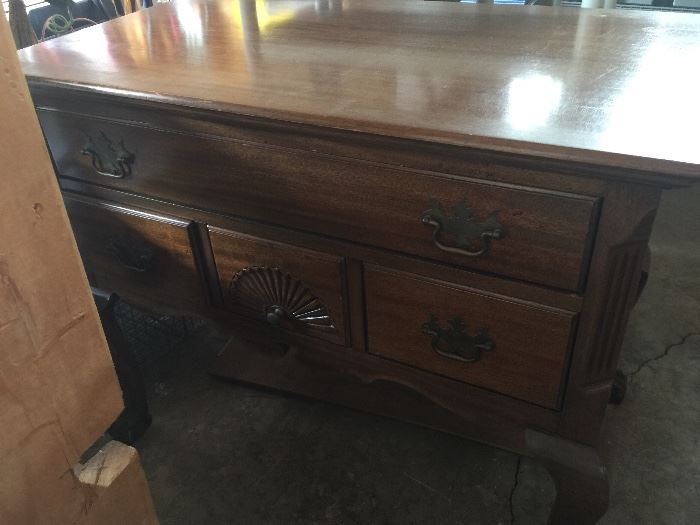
(430, 211)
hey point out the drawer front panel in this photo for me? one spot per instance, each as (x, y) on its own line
(506, 345)
(524, 233)
(291, 288)
(144, 257)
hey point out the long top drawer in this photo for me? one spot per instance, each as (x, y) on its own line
(524, 233)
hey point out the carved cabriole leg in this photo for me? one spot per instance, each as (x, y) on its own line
(626, 219)
(580, 477)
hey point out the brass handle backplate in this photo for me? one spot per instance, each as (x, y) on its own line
(135, 260)
(108, 159)
(463, 228)
(455, 342)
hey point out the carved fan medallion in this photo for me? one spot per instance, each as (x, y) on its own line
(279, 297)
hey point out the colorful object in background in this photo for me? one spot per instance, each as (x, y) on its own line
(47, 19)
(59, 24)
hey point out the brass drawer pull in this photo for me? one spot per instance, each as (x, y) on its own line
(139, 261)
(107, 159)
(463, 228)
(454, 341)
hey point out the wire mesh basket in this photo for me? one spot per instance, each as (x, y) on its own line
(151, 337)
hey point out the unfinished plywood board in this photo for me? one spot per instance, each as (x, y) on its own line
(58, 389)
(114, 488)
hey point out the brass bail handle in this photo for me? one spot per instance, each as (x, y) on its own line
(108, 159)
(463, 227)
(455, 342)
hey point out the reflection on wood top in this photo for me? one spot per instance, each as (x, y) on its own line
(614, 88)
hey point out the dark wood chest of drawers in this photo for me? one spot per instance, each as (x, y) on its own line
(478, 284)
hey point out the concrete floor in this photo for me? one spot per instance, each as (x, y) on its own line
(224, 453)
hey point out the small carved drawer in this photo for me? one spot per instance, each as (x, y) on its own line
(291, 288)
(146, 257)
(503, 344)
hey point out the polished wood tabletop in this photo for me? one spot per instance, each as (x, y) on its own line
(610, 88)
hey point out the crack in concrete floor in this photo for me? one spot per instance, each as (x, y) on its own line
(662, 355)
(516, 481)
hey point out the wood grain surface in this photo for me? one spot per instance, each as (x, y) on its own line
(320, 274)
(609, 88)
(148, 258)
(530, 342)
(358, 201)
